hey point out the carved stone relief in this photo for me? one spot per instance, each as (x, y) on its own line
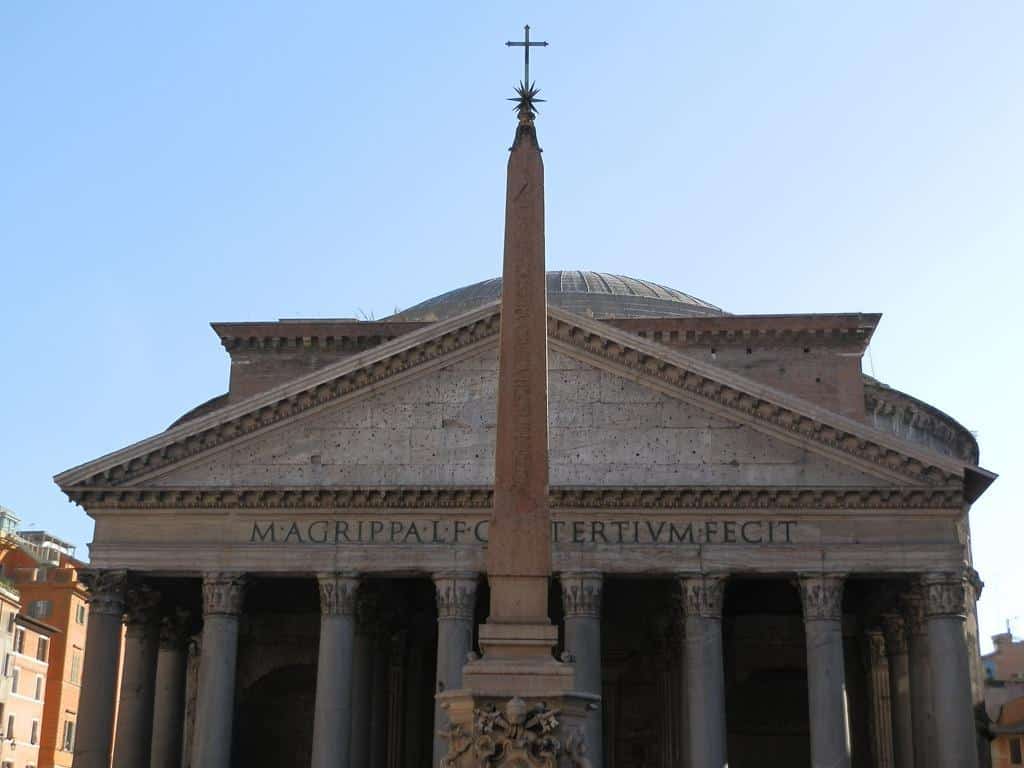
(822, 597)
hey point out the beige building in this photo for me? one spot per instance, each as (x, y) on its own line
(761, 556)
(1004, 699)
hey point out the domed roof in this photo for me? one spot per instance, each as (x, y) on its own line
(596, 294)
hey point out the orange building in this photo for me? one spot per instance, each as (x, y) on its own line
(26, 665)
(47, 579)
(1004, 699)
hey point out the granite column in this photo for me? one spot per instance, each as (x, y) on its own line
(920, 679)
(581, 602)
(705, 673)
(332, 715)
(133, 735)
(95, 735)
(877, 667)
(215, 701)
(895, 630)
(946, 609)
(456, 601)
(362, 677)
(822, 597)
(169, 696)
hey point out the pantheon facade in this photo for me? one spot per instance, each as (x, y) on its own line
(755, 545)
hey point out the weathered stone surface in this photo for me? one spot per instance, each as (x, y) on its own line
(605, 430)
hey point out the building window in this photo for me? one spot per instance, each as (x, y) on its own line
(68, 738)
(80, 613)
(11, 618)
(39, 688)
(8, 665)
(15, 677)
(76, 666)
(19, 640)
(42, 649)
(34, 737)
(10, 727)
(40, 609)
(1015, 753)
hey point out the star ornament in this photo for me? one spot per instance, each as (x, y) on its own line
(526, 99)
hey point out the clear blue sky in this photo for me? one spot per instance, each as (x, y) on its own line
(165, 165)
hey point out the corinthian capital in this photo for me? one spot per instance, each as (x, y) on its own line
(106, 591)
(945, 594)
(174, 629)
(822, 597)
(456, 595)
(223, 593)
(581, 594)
(338, 593)
(895, 628)
(140, 608)
(702, 595)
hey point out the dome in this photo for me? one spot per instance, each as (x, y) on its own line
(596, 294)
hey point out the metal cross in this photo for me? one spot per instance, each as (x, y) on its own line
(526, 45)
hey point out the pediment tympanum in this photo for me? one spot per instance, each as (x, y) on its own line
(419, 411)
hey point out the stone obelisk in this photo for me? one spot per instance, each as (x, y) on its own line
(517, 698)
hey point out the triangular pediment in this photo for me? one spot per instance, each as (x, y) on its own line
(439, 430)
(741, 433)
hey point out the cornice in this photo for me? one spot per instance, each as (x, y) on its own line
(773, 411)
(476, 497)
(848, 331)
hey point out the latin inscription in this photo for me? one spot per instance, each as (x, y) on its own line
(563, 532)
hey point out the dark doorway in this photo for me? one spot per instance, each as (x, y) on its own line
(641, 689)
(276, 719)
(765, 675)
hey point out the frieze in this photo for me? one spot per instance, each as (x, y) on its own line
(338, 593)
(462, 532)
(106, 591)
(471, 497)
(822, 597)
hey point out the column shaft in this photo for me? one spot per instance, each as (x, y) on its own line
(215, 700)
(581, 601)
(705, 673)
(99, 674)
(456, 600)
(133, 736)
(169, 696)
(945, 606)
(379, 700)
(826, 684)
(362, 676)
(920, 681)
(877, 665)
(899, 690)
(332, 715)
